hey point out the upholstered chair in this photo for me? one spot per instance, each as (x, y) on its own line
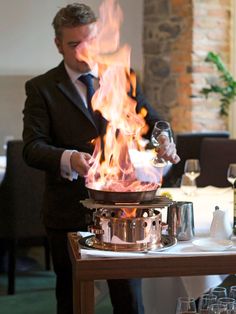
(21, 193)
(216, 155)
(188, 146)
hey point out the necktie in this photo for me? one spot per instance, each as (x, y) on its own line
(87, 79)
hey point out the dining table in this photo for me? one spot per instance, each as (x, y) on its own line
(181, 270)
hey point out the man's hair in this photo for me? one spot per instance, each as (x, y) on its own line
(73, 15)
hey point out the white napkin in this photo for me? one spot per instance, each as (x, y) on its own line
(185, 248)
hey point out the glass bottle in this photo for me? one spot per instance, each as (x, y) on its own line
(234, 221)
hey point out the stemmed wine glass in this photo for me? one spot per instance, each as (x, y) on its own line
(204, 302)
(186, 305)
(229, 302)
(219, 292)
(217, 308)
(187, 186)
(232, 292)
(192, 168)
(231, 173)
(161, 129)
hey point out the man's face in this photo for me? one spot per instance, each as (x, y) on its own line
(70, 39)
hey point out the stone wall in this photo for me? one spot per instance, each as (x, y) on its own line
(177, 36)
(211, 32)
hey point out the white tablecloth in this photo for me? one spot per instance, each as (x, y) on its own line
(160, 294)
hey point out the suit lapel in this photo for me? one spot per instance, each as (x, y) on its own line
(67, 88)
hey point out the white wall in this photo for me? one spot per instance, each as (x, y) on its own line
(26, 36)
(27, 49)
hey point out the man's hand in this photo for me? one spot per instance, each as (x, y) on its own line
(167, 150)
(80, 162)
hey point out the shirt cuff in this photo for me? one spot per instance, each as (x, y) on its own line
(66, 171)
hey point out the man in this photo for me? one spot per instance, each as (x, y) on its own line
(58, 129)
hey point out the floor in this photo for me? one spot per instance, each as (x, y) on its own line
(35, 291)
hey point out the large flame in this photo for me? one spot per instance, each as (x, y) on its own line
(112, 167)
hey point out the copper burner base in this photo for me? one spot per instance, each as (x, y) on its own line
(91, 242)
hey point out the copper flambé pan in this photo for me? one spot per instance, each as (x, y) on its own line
(122, 197)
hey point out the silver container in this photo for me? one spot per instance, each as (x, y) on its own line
(180, 220)
(131, 233)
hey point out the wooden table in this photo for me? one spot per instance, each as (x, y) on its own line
(87, 269)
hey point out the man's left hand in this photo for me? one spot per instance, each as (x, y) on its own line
(167, 150)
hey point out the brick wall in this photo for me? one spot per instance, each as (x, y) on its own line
(177, 37)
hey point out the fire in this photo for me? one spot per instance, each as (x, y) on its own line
(129, 212)
(112, 167)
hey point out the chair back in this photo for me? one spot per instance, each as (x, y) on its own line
(21, 196)
(188, 146)
(216, 155)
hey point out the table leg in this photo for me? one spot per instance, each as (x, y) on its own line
(83, 297)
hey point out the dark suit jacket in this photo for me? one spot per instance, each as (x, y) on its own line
(56, 119)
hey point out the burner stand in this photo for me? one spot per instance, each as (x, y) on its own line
(115, 230)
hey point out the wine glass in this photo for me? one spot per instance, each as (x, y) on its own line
(231, 173)
(233, 309)
(229, 302)
(161, 129)
(186, 305)
(232, 292)
(217, 308)
(187, 186)
(204, 302)
(220, 292)
(192, 168)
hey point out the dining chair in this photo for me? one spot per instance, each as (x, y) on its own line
(188, 145)
(215, 157)
(21, 194)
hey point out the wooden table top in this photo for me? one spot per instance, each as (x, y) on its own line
(95, 268)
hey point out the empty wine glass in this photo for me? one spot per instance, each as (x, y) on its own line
(220, 292)
(231, 173)
(186, 305)
(192, 168)
(217, 308)
(229, 302)
(161, 129)
(204, 302)
(187, 186)
(232, 310)
(232, 292)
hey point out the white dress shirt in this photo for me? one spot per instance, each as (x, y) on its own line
(66, 171)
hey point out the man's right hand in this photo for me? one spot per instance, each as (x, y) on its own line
(80, 162)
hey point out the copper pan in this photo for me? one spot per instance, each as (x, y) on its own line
(122, 197)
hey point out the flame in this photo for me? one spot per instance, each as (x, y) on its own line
(129, 212)
(112, 167)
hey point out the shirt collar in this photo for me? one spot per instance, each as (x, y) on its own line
(75, 75)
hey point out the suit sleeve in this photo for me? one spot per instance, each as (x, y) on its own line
(38, 151)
